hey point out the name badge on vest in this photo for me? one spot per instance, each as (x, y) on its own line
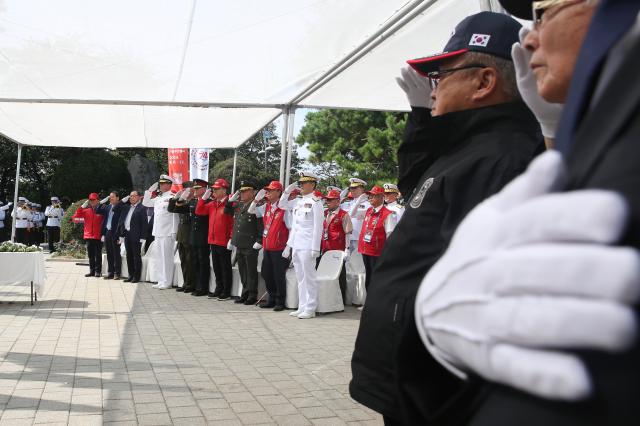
(367, 237)
(265, 233)
(325, 235)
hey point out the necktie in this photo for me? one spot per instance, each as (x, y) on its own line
(611, 20)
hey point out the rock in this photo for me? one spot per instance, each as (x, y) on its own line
(143, 172)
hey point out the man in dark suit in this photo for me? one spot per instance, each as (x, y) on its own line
(133, 229)
(111, 213)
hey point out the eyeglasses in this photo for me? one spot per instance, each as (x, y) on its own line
(436, 76)
(540, 7)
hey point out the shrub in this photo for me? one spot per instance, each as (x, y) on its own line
(70, 231)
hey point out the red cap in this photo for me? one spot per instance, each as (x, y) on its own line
(376, 190)
(274, 184)
(333, 194)
(93, 196)
(220, 183)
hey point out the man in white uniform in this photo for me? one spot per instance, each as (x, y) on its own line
(3, 231)
(22, 215)
(165, 227)
(357, 188)
(54, 215)
(391, 195)
(304, 240)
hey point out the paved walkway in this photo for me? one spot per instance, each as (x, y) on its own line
(102, 352)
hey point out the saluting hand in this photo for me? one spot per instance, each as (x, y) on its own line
(235, 196)
(206, 195)
(153, 187)
(261, 194)
(125, 199)
(289, 189)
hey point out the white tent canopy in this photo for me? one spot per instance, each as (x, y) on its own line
(153, 73)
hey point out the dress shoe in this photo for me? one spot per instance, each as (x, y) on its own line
(267, 305)
(199, 293)
(90, 274)
(295, 313)
(278, 308)
(116, 277)
(98, 274)
(213, 295)
(188, 290)
(240, 300)
(108, 277)
(128, 280)
(223, 297)
(155, 286)
(250, 301)
(180, 289)
(164, 287)
(135, 281)
(307, 315)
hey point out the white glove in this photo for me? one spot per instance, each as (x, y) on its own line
(344, 193)
(125, 199)
(547, 113)
(315, 254)
(347, 254)
(229, 245)
(260, 195)
(286, 252)
(416, 87)
(235, 196)
(104, 200)
(206, 194)
(257, 246)
(102, 239)
(289, 189)
(121, 240)
(85, 204)
(185, 194)
(179, 194)
(142, 242)
(153, 187)
(527, 276)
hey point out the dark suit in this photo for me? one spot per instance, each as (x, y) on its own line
(137, 231)
(111, 244)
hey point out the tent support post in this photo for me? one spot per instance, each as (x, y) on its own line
(291, 120)
(283, 145)
(15, 193)
(233, 175)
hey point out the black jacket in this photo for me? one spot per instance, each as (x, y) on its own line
(184, 224)
(447, 165)
(199, 232)
(247, 228)
(605, 155)
(138, 226)
(104, 210)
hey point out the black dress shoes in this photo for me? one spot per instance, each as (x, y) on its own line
(267, 305)
(278, 308)
(90, 274)
(108, 277)
(180, 289)
(199, 293)
(250, 301)
(240, 300)
(128, 280)
(116, 277)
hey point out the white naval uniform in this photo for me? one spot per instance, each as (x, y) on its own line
(356, 221)
(22, 216)
(165, 227)
(305, 237)
(397, 209)
(54, 215)
(2, 216)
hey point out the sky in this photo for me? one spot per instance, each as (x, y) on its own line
(301, 113)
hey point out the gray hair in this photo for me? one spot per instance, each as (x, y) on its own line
(505, 69)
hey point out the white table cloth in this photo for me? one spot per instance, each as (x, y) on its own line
(22, 269)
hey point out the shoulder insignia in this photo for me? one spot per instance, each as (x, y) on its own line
(416, 201)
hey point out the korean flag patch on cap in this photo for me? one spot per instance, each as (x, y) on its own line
(479, 40)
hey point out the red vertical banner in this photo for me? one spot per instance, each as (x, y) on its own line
(178, 166)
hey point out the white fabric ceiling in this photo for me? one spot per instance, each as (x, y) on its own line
(168, 51)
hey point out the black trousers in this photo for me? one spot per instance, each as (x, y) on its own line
(134, 259)
(186, 265)
(274, 272)
(21, 235)
(3, 234)
(200, 264)
(221, 260)
(94, 252)
(342, 279)
(369, 264)
(53, 236)
(248, 268)
(113, 253)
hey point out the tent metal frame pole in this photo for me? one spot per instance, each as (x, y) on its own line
(410, 12)
(233, 175)
(283, 147)
(291, 121)
(15, 193)
(140, 103)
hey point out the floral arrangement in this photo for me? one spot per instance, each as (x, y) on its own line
(9, 247)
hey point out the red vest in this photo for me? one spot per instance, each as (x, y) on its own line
(275, 234)
(373, 226)
(333, 236)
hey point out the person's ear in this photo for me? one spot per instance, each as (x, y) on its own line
(486, 84)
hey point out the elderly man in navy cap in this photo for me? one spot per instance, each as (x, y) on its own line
(468, 134)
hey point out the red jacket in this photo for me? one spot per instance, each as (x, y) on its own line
(333, 236)
(373, 225)
(220, 224)
(92, 222)
(275, 229)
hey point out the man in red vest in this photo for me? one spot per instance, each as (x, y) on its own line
(92, 233)
(336, 233)
(220, 230)
(377, 225)
(277, 223)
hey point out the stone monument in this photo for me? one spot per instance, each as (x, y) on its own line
(143, 172)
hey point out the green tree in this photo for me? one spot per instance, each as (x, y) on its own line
(346, 143)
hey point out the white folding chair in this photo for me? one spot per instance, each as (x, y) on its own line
(328, 282)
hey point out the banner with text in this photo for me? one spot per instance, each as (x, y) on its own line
(199, 164)
(178, 166)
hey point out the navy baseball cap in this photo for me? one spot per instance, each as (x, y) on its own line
(485, 32)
